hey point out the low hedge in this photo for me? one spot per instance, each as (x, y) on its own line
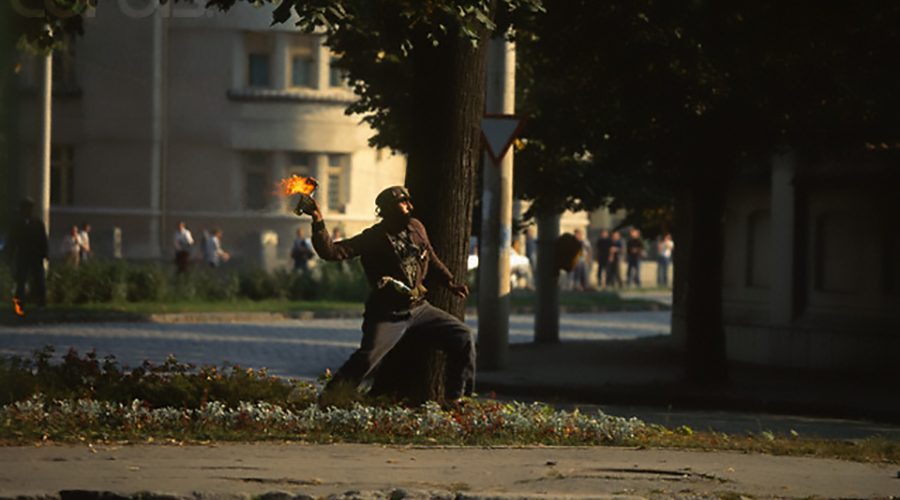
(99, 281)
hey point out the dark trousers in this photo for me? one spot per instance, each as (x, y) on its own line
(32, 271)
(182, 260)
(437, 328)
(613, 275)
(633, 274)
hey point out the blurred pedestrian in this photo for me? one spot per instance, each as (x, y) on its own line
(634, 253)
(204, 245)
(520, 273)
(27, 251)
(71, 247)
(663, 258)
(579, 275)
(84, 243)
(215, 255)
(301, 252)
(613, 269)
(183, 243)
(601, 255)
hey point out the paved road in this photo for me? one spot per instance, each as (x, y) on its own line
(295, 348)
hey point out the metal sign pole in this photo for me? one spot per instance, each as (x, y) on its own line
(496, 226)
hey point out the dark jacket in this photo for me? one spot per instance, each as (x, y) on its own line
(379, 259)
(28, 242)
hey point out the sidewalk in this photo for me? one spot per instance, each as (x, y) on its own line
(645, 373)
(282, 471)
(644, 378)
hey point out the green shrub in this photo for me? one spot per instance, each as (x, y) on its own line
(256, 284)
(300, 286)
(340, 281)
(63, 285)
(215, 284)
(111, 281)
(183, 288)
(94, 281)
(171, 383)
(146, 283)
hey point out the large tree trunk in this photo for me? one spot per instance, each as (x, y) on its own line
(444, 155)
(700, 293)
(442, 167)
(410, 374)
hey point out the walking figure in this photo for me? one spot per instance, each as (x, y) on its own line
(183, 242)
(28, 253)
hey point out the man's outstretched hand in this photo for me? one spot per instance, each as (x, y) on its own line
(461, 291)
(312, 209)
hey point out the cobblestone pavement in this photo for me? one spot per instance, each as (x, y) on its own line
(295, 348)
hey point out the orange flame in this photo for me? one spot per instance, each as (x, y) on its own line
(296, 184)
(17, 304)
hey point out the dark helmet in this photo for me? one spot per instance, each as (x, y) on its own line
(389, 198)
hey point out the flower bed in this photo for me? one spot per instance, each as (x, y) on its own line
(478, 422)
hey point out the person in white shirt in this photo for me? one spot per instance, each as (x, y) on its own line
(70, 247)
(183, 242)
(84, 242)
(664, 258)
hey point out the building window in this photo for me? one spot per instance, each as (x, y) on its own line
(303, 62)
(62, 179)
(302, 71)
(257, 183)
(338, 193)
(759, 229)
(259, 48)
(300, 163)
(336, 76)
(836, 249)
(258, 70)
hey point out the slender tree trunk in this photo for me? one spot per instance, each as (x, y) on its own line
(9, 181)
(702, 294)
(445, 154)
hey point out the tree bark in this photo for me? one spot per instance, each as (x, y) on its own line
(445, 153)
(9, 180)
(705, 356)
(412, 373)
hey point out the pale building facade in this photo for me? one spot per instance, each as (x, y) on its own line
(811, 275)
(188, 114)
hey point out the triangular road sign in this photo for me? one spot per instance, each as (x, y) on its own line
(499, 132)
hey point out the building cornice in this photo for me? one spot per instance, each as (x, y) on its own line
(333, 96)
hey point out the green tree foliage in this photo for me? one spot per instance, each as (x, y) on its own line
(645, 101)
(625, 97)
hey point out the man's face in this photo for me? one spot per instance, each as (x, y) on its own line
(404, 206)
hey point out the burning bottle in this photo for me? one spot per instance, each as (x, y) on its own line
(304, 186)
(17, 307)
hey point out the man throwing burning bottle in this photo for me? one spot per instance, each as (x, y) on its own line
(397, 256)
